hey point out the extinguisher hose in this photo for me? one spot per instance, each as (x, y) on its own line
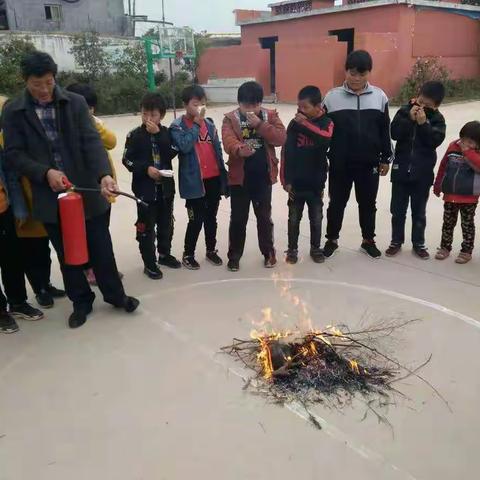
(123, 194)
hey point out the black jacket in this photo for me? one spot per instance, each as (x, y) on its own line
(138, 156)
(28, 151)
(304, 156)
(362, 127)
(415, 152)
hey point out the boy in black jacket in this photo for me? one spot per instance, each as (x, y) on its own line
(419, 129)
(148, 155)
(304, 170)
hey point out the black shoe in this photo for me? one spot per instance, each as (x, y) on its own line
(371, 250)
(169, 261)
(393, 249)
(233, 265)
(45, 299)
(421, 252)
(190, 262)
(317, 255)
(154, 273)
(270, 260)
(214, 259)
(330, 248)
(8, 324)
(25, 312)
(291, 257)
(79, 316)
(56, 292)
(129, 304)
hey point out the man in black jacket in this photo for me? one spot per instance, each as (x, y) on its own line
(49, 135)
(360, 151)
(419, 129)
(148, 155)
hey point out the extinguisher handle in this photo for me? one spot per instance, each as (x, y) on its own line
(68, 184)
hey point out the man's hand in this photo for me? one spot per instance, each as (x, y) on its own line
(109, 187)
(300, 118)
(413, 113)
(288, 188)
(245, 151)
(55, 179)
(154, 173)
(421, 116)
(152, 127)
(253, 120)
(384, 169)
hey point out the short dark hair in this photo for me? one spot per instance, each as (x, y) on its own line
(87, 91)
(191, 92)
(471, 130)
(38, 64)
(154, 101)
(310, 93)
(433, 90)
(250, 92)
(359, 60)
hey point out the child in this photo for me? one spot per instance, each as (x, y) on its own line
(419, 129)
(458, 178)
(202, 174)
(304, 170)
(109, 141)
(360, 150)
(250, 135)
(148, 153)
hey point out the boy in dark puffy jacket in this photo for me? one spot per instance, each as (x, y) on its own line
(419, 129)
(458, 178)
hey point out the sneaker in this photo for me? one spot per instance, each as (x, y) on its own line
(8, 324)
(44, 299)
(190, 262)
(270, 260)
(25, 312)
(169, 261)
(421, 252)
(92, 281)
(317, 255)
(291, 257)
(129, 304)
(56, 292)
(393, 250)
(463, 258)
(233, 265)
(442, 253)
(214, 259)
(79, 316)
(371, 250)
(153, 273)
(331, 246)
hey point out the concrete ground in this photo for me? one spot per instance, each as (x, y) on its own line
(148, 397)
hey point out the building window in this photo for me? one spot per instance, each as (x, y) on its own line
(53, 13)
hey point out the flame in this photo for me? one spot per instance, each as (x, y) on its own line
(265, 359)
(354, 366)
(335, 331)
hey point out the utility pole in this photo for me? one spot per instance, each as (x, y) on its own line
(130, 8)
(134, 9)
(172, 76)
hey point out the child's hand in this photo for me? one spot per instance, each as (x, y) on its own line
(462, 146)
(413, 113)
(152, 127)
(287, 188)
(245, 151)
(253, 120)
(300, 118)
(384, 169)
(421, 116)
(154, 173)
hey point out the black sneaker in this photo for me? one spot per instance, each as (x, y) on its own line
(79, 316)
(233, 265)
(421, 252)
(214, 259)
(317, 255)
(190, 262)
(45, 299)
(169, 261)
(270, 260)
(56, 292)
(131, 304)
(371, 250)
(393, 249)
(330, 248)
(153, 273)
(291, 257)
(8, 324)
(25, 312)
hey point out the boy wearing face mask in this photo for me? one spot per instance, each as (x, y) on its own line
(419, 129)
(148, 156)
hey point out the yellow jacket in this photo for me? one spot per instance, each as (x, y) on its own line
(109, 141)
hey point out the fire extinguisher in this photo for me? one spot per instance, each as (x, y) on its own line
(72, 224)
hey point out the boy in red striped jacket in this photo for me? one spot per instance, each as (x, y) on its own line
(304, 170)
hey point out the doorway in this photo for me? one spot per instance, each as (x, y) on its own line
(345, 35)
(269, 44)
